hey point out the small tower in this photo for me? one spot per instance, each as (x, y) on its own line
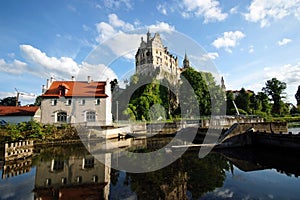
(223, 84)
(186, 62)
(148, 36)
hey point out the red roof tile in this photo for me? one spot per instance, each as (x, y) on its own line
(76, 89)
(18, 110)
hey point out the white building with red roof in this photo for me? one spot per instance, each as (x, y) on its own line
(74, 102)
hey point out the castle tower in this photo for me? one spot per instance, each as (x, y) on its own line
(152, 55)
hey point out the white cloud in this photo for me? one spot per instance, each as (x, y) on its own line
(114, 26)
(61, 68)
(284, 41)
(105, 31)
(289, 73)
(234, 10)
(266, 11)
(161, 27)
(162, 9)
(225, 193)
(119, 36)
(228, 40)
(210, 56)
(117, 4)
(116, 22)
(98, 72)
(16, 67)
(251, 49)
(209, 9)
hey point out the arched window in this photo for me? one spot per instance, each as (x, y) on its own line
(90, 116)
(61, 117)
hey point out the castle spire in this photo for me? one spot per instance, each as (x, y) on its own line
(148, 35)
(223, 84)
(186, 61)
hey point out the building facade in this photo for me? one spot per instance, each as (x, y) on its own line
(78, 102)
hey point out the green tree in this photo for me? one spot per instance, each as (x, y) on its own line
(204, 88)
(242, 100)
(264, 102)
(297, 96)
(156, 96)
(229, 103)
(9, 101)
(38, 101)
(275, 89)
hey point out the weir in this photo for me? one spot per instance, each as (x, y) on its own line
(272, 134)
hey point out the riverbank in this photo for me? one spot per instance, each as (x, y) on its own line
(37, 132)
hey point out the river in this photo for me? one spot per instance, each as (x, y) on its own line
(71, 172)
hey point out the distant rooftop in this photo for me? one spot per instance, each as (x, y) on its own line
(18, 110)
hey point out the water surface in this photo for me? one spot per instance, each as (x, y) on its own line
(71, 172)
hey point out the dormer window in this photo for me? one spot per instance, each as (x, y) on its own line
(63, 89)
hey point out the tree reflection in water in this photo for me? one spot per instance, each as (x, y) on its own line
(189, 174)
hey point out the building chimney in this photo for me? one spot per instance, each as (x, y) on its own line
(73, 78)
(89, 79)
(43, 89)
(48, 84)
(51, 80)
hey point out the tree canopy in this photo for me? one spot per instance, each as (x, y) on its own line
(9, 101)
(297, 96)
(275, 89)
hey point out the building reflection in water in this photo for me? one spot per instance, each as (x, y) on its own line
(76, 177)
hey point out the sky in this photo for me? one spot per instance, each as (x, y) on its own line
(248, 42)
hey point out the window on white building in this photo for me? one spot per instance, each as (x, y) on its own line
(90, 116)
(97, 101)
(69, 102)
(53, 102)
(61, 117)
(82, 102)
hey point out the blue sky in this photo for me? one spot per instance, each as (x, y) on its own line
(249, 41)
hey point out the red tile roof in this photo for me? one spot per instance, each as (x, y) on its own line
(18, 110)
(76, 89)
